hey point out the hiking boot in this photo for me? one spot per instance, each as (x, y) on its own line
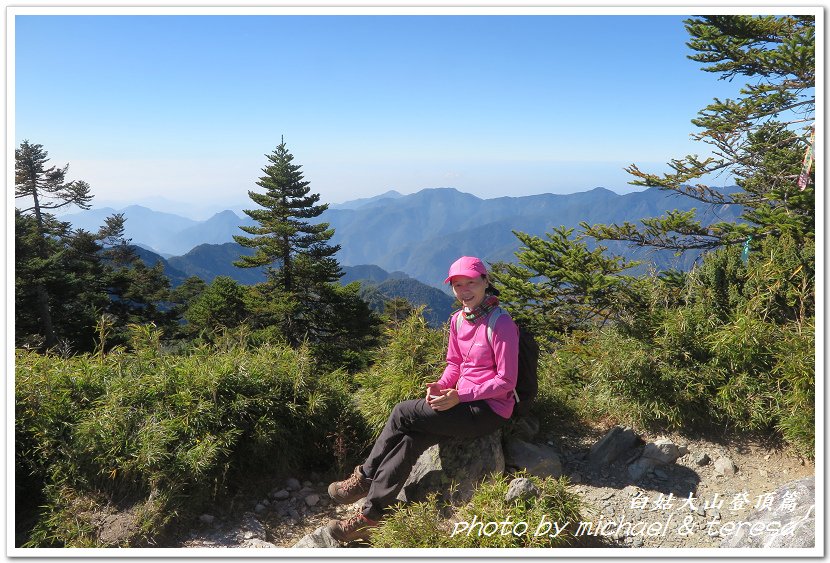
(348, 491)
(358, 527)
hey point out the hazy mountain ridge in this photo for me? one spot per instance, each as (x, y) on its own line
(421, 233)
(207, 261)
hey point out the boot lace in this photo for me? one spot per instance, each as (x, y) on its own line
(355, 481)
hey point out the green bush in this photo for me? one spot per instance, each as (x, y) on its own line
(735, 347)
(413, 356)
(432, 524)
(160, 429)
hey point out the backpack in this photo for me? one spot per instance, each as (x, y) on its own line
(527, 382)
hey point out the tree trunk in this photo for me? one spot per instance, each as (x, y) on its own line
(46, 317)
(42, 295)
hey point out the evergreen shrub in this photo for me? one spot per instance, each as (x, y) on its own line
(168, 432)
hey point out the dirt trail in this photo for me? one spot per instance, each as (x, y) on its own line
(680, 505)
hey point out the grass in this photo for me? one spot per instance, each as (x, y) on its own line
(487, 520)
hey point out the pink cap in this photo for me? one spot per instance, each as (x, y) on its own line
(468, 266)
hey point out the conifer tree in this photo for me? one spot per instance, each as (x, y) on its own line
(761, 138)
(45, 189)
(295, 251)
(559, 285)
(300, 298)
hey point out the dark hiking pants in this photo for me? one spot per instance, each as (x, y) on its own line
(412, 428)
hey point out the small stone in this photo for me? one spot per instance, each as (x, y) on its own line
(311, 500)
(576, 477)
(638, 541)
(701, 511)
(763, 472)
(259, 508)
(294, 515)
(702, 459)
(631, 490)
(248, 535)
(282, 494)
(292, 484)
(521, 488)
(308, 484)
(725, 467)
(266, 502)
(207, 518)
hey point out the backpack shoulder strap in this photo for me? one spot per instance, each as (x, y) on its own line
(458, 319)
(491, 322)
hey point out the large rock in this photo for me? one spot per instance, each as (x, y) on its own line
(790, 522)
(539, 460)
(616, 442)
(318, 538)
(463, 461)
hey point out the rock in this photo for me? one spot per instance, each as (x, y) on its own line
(461, 460)
(664, 451)
(660, 474)
(311, 500)
(725, 467)
(539, 460)
(702, 459)
(259, 508)
(521, 488)
(251, 527)
(304, 492)
(641, 467)
(257, 543)
(794, 528)
(207, 518)
(308, 484)
(294, 515)
(655, 454)
(576, 477)
(292, 484)
(617, 441)
(524, 427)
(282, 494)
(318, 538)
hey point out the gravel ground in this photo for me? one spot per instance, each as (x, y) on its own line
(684, 504)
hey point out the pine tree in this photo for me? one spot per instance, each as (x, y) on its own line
(284, 236)
(300, 300)
(761, 138)
(559, 285)
(47, 189)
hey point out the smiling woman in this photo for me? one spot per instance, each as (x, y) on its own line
(473, 397)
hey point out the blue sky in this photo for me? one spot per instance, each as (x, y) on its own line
(185, 107)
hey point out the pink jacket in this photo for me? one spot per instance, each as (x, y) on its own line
(481, 371)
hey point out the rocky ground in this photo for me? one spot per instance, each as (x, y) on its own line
(698, 501)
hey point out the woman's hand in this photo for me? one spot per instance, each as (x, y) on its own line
(446, 400)
(433, 389)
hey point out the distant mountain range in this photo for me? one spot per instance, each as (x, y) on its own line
(208, 261)
(419, 234)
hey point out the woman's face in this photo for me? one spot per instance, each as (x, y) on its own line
(470, 291)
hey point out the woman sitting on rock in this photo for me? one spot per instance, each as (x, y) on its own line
(473, 397)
